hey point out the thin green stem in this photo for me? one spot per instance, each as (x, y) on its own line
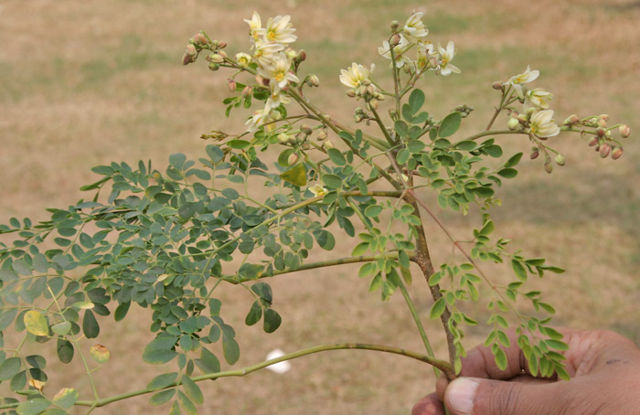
(493, 132)
(391, 141)
(440, 364)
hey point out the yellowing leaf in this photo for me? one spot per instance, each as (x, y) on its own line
(100, 353)
(36, 323)
(36, 384)
(296, 175)
(65, 398)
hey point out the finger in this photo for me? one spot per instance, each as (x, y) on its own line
(429, 405)
(475, 396)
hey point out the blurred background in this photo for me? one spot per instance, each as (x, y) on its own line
(86, 83)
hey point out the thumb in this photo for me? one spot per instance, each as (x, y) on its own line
(475, 396)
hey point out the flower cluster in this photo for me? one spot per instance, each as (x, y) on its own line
(274, 60)
(413, 36)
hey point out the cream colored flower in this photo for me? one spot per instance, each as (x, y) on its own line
(275, 100)
(524, 78)
(446, 56)
(539, 98)
(279, 30)
(355, 76)
(243, 59)
(255, 26)
(398, 51)
(542, 124)
(278, 70)
(426, 56)
(318, 190)
(414, 27)
(264, 52)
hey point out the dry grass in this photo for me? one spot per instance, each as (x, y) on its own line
(85, 83)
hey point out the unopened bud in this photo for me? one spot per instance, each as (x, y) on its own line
(594, 142)
(604, 117)
(513, 123)
(617, 153)
(497, 85)
(247, 91)
(560, 160)
(351, 93)
(190, 54)
(306, 146)
(572, 119)
(306, 130)
(213, 66)
(602, 123)
(535, 152)
(605, 149)
(231, 84)
(394, 26)
(548, 166)
(293, 159)
(625, 130)
(215, 58)
(601, 132)
(322, 135)
(200, 39)
(313, 80)
(327, 145)
(262, 81)
(220, 44)
(302, 56)
(283, 138)
(395, 40)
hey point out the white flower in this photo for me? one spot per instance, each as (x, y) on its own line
(524, 78)
(538, 97)
(274, 100)
(279, 30)
(446, 56)
(542, 124)
(318, 190)
(243, 59)
(426, 56)
(355, 76)
(414, 27)
(277, 69)
(398, 51)
(280, 367)
(265, 52)
(255, 26)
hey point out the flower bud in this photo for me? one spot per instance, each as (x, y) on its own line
(302, 56)
(548, 166)
(306, 130)
(624, 130)
(535, 152)
(497, 85)
(232, 85)
(327, 145)
(306, 146)
(605, 149)
(283, 138)
(395, 40)
(200, 39)
(220, 44)
(293, 159)
(601, 132)
(215, 58)
(572, 119)
(262, 81)
(394, 26)
(213, 66)
(351, 93)
(604, 117)
(594, 141)
(313, 80)
(322, 135)
(247, 91)
(617, 153)
(560, 160)
(190, 55)
(602, 123)
(513, 123)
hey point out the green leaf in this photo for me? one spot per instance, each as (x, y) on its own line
(64, 350)
(230, 349)
(208, 362)
(36, 361)
(177, 160)
(493, 150)
(18, 381)
(332, 181)
(187, 405)
(254, 315)
(416, 100)
(296, 175)
(501, 357)
(336, 156)
(508, 173)
(214, 152)
(163, 381)
(402, 156)
(36, 323)
(9, 368)
(90, 326)
(519, 269)
(450, 124)
(360, 249)
(121, 311)
(162, 397)
(487, 228)
(468, 145)
(160, 350)
(272, 320)
(66, 398)
(175, 408)
(192, 390)
(6, 317)
(514, 160)
(556, 344)
(437, 308)
(368, 269)
(373, 211)
(32, 406)
(401, 128)
(325, 239)
(230, 193)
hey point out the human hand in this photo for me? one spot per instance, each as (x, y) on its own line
(605, 379)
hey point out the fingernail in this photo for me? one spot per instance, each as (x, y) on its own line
(460, 395)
